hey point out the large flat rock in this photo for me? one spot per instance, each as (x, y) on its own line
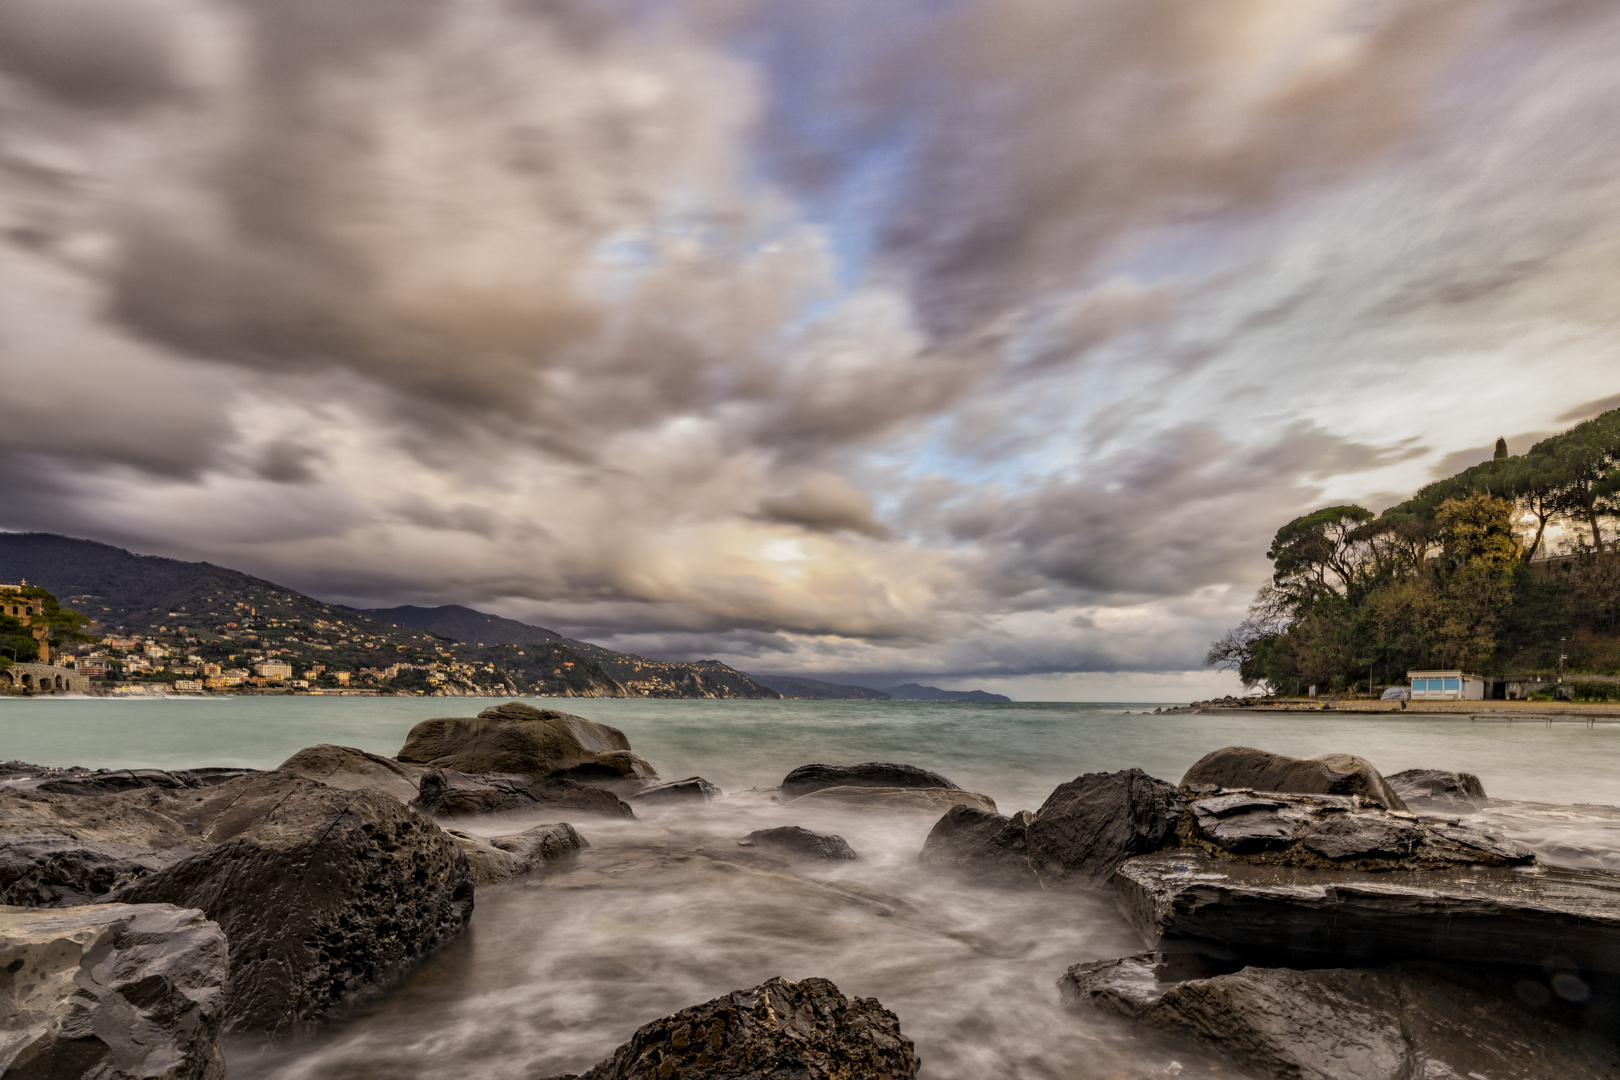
(520, 739)
(1234, 767)
(111, 991)
(878, 774)
(1185, 900)
(1403, 1022)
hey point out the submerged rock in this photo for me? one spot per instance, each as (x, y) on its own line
(1258, 770)
(1085, 829)
(1390, 1023)
(778, 1030)
(445, 793)
(353, 770)
(1188, 901)
(1436, 784)
(878, 774)
(1337, 832)
(802, 843)
(913, 800)
(327, 896)
(111, 991)
(495, 859)
(522, 740)
(694, 789)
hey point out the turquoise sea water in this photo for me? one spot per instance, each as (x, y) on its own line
(1015, 753)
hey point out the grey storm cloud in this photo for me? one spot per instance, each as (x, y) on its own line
(992, 337)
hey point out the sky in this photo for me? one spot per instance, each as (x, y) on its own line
(978, 342)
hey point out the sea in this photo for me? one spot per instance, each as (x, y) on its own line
(560, 968)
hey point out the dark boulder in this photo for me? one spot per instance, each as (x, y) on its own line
(327, 896)
(1337, 832)
(353, 770)
(1187, 901)
(445, 793)
(797, 842)
(981, 845)
(1090, 825)
(1437, 784)
(520, 739)
(1392, 1023)
(111, 991)
(1083, 831)
(694, 789)
(808, 778)
(1258, 770)
(778, 1030)
(53, 870)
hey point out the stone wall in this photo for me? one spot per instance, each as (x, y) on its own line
(41, 679)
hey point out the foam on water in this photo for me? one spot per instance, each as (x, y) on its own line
(667, 912)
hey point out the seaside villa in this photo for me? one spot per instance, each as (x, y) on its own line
(1448, 686)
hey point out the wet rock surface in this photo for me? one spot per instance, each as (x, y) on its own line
(801, 843)
(902, 800)
(351, 769)
(1258, 770)
(1185, 900)
(445, 793)
(876, 774)
(522, 740)
(1394, 1023)
(495, 859)
(52, 870)
(75, 780)
(1436, 784)
(778, 1030)
(1085, 829)
(1336, 832)
(694, 789)
(111, 991)
(327, 896)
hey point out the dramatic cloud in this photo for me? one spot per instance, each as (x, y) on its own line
(992, 337)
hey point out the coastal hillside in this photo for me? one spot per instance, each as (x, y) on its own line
(221, 618)
(640, 675)
(802, 689)
(914, 692)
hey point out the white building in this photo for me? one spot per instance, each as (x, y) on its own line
(1447, 686)
(273, 669)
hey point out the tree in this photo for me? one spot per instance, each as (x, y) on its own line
(1320, 553)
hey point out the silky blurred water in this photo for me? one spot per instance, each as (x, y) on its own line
(667, 911)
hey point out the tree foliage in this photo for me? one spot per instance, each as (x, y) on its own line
(1443, 579)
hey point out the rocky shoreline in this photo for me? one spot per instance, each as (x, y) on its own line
(1302, 918)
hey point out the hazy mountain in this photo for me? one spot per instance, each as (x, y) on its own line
(793, 686)
(913, 692)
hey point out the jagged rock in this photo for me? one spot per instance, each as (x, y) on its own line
(778, 1030)
(327, 895)
(1436, 784)
(519, 739)
(1336, 832)
(878, 774)
(351, 769)
(495, 859)
(801, 843)
(52, 870)
(1083, 831)
(1187, 901)
(981, 844)
(446, 793)
(1396, 1023)
(694, 789)
(913, 800)
(111, 992)
(1258, 770)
